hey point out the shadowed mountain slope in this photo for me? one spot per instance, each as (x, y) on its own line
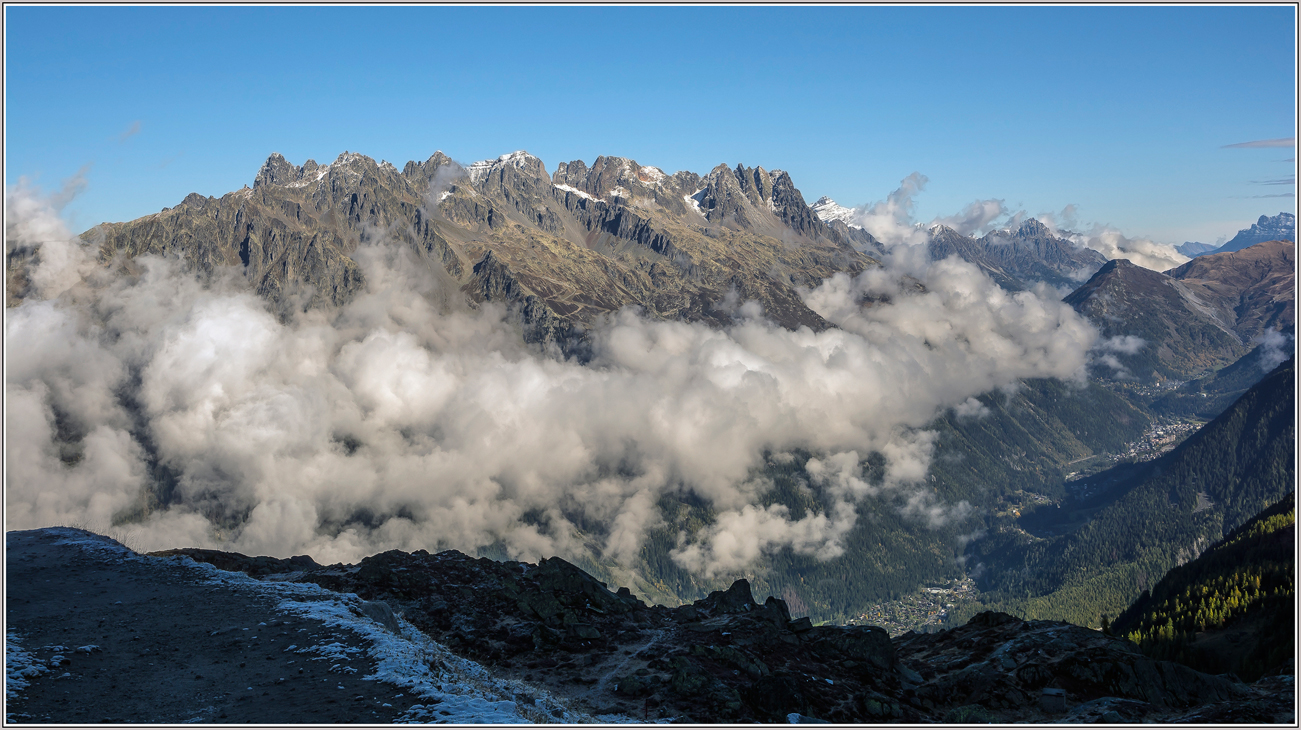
(1181, 335)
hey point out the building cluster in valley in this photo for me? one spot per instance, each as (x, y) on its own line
(1157, 440)
(926, 610)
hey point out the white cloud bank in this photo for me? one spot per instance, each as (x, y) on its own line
(390, 423)
(891, 222)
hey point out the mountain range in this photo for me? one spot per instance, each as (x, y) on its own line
(568, 248)
(1281, 227)
(566, 251)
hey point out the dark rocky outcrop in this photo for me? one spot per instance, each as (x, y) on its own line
(729, 658)
(257, 567)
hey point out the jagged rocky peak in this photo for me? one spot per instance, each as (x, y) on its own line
(941, 233)
(438, 167)
(518, 160)
(723, 198)
(195, 200)
(278, 171)
(1032, 227)
(610, 177)
(757, 184)
(1281, 223)
(788, 204)
(686, 180)
(359, 163)
(572, 174)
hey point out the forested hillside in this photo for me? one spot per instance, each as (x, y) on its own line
(1230, 610)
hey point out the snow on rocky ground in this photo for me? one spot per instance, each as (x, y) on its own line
(451, 689)
(20, 666)
(481, 169)
(694, 200)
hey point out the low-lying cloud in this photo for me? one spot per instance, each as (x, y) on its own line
(188, 409)
(891, 221)
(1275, 348)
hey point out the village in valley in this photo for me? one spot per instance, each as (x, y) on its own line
(925, 611)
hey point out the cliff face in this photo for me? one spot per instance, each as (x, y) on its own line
(564, 249)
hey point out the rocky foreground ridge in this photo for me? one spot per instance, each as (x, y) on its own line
(730, 658)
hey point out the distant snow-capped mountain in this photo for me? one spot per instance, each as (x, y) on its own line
(828, 210)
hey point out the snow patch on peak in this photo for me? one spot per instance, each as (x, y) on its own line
(828, 210)
(348, 157)
(306, 180)
(480, 169)
(694, 200)
(652, 175)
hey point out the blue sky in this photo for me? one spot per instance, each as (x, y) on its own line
(1123, 112)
